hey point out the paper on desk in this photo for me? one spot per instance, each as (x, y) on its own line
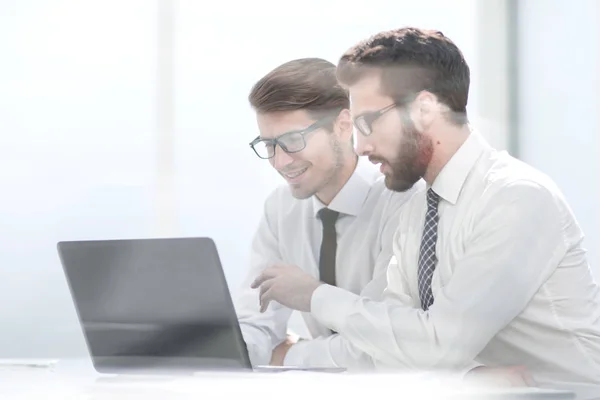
(7, 363)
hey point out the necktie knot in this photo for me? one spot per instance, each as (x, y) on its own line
(433, 199)
(327, 216)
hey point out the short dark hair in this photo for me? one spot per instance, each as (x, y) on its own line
(303, 84)
(412, 60)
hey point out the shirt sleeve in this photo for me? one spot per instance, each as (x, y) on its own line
(516, 243)
(262, 331)
(334, 350)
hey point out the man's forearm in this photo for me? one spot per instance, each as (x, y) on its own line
(258, 343)
(333, 351)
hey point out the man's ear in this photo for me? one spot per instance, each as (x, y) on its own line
(343, 125)
(424, 110)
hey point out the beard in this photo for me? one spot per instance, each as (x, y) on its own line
(413, 156)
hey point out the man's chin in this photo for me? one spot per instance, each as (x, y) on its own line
(300, 193)
(397, 185)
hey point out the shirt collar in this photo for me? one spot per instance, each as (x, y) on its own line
(353, 194)
(452, 177)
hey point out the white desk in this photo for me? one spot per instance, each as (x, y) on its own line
(76, 379)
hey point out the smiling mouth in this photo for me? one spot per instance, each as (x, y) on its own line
(294, 174)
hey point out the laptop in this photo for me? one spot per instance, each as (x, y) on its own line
(156, 306)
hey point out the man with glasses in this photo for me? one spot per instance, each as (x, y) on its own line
(489, 267)
(333, 219)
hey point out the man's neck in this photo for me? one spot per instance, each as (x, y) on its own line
(445, 144)
(329, 192)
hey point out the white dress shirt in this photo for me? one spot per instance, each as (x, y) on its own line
(290, 232)
(512, 285)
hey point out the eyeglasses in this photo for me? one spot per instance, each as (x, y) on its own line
(364, 122)
(290, 142)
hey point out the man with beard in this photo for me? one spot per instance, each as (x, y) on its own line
(489, 268)
(334, 218)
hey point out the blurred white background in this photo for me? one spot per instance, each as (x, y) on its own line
(88, 115)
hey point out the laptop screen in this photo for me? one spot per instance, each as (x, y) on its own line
(158, 304)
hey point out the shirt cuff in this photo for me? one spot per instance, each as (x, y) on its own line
(331, 305)
(294, 356)
(309, 353)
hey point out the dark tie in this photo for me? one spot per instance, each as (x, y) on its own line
(328, 246)
(427, 257)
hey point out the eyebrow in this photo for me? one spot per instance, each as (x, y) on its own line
(284, 133)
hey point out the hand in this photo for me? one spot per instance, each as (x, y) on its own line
(289, 285)
(502, 376)
(279, 352)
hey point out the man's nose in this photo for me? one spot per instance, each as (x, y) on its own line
(362, 145)
(280, 159)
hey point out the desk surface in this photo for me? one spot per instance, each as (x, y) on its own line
(76, 379)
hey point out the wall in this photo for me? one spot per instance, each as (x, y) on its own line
(559, 102)
(78, 124)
